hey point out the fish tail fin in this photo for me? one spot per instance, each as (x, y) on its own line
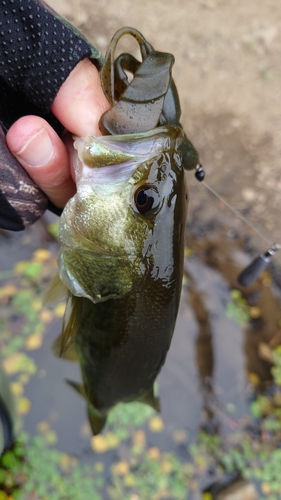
(56, 290)
(150, 399)
(96, 419)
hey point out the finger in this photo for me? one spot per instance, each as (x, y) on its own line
(80, 101)
(44, 157)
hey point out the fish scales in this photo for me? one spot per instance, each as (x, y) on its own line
(123, 353)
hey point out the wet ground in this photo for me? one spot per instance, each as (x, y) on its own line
(228, 75)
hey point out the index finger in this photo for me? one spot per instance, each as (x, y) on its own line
(80, 101)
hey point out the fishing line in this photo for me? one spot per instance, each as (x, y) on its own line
(260, 263)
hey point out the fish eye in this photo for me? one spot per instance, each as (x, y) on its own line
(146, 199)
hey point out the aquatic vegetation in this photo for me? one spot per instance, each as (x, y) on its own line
(34, 470)
(238, 309)
(22, 329)
(276, 370)
(148, 470)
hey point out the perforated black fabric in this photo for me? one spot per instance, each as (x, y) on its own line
(37, 53)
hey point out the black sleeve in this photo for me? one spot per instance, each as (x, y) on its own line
(38, 50)
(37, 53)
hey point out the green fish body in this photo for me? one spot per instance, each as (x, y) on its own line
(122, 239)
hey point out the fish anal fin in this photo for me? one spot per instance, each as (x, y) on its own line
(77, 387)
(96, 419)
(150, 399)
(56, 290)
(71, 321)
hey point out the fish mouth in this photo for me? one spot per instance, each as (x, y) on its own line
(119, 155)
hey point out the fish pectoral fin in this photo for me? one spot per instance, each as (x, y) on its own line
(71, 321)
(77, 387)
(96, 419)
(63, 346)
(150, 399)
(70, 354)
(56, 290)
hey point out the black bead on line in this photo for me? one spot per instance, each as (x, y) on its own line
(199, 172)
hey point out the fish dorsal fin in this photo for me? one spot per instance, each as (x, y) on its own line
(150, 399)
(56, 291)
(71, 321)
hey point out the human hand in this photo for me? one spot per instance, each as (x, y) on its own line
(46, 158)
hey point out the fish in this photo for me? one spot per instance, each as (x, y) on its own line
(121, 263)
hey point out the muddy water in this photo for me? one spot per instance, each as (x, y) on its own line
(205, 382)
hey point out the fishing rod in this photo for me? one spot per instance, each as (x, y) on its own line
(260, 263)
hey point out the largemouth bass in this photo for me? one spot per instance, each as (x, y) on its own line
(121, 259)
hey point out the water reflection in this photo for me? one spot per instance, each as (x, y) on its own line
(213, 368)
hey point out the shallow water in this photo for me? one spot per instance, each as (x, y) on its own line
(206, 382)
